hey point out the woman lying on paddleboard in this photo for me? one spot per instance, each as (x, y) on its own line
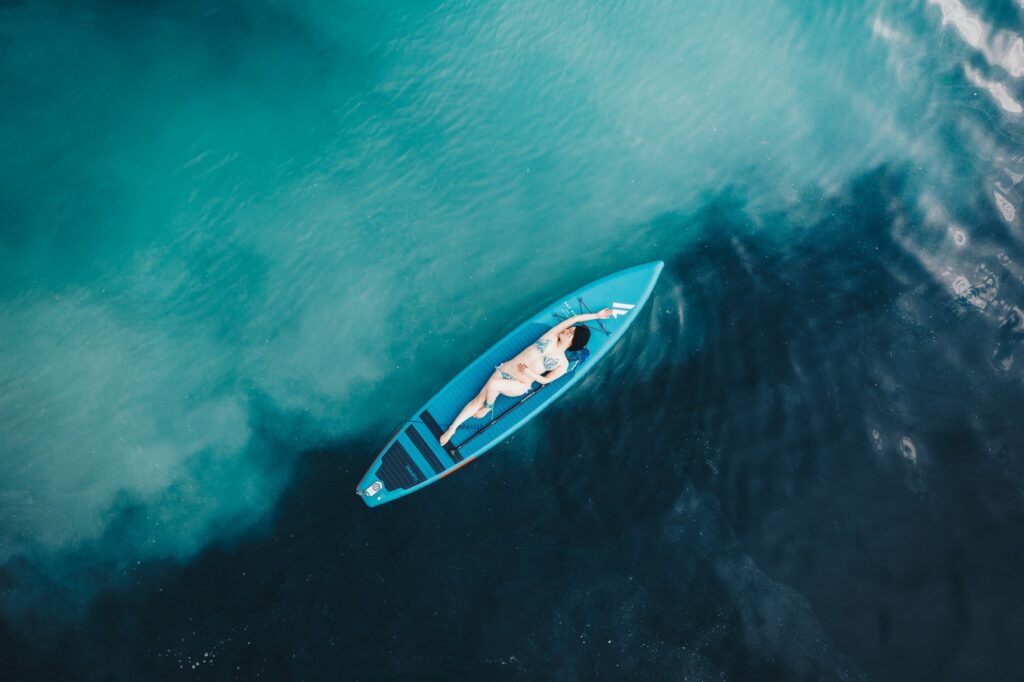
(543, 362)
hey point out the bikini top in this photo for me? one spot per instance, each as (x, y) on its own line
(549, 362)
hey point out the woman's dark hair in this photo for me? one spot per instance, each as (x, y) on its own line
(580, 337)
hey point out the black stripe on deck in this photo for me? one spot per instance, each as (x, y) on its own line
(397, 470)
(412, 434)
(435, 429)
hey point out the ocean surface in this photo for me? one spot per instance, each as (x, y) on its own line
(240, 241)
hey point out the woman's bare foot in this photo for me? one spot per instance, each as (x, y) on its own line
(445, 437)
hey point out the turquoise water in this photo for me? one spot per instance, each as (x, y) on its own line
(236, 234)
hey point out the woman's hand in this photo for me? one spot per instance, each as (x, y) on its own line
(525, 369)
(605, 314)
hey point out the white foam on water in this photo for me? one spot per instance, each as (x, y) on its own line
(1003, 48)
(998, 91)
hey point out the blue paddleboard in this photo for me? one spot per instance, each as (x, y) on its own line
(413, 457)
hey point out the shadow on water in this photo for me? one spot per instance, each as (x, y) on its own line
(799, 464)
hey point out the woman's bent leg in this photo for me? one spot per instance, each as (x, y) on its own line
(471, 408)
(475, 407)
(491, 394)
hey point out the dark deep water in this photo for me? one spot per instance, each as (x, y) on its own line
(240, 241)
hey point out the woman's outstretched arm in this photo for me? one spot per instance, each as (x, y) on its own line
(576, 319)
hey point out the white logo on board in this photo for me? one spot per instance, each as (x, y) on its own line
(621, 309)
